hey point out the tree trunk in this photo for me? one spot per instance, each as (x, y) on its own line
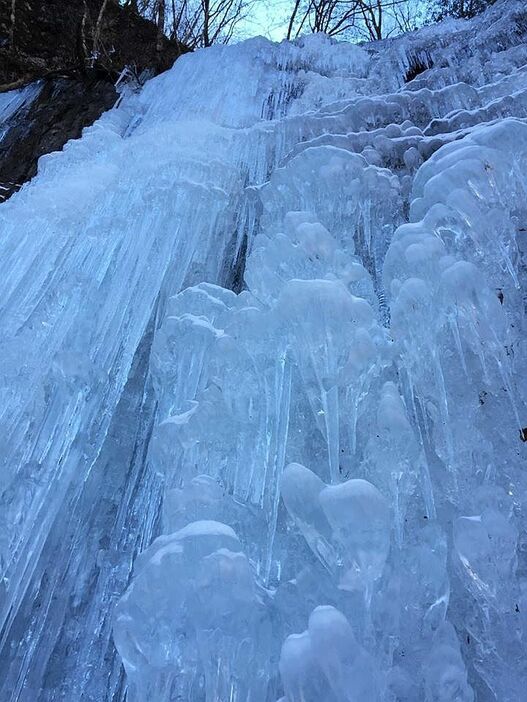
(98, 27)
(292, 20)
(12, 27)
(160, 25)
(206, 21)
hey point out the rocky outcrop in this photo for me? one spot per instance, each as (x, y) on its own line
(62, 108)
(55, 42)
(50, 36)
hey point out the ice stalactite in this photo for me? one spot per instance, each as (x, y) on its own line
(332, 448)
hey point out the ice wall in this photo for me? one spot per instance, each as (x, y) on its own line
(270, 310)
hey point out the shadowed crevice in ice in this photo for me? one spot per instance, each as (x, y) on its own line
(107, 518)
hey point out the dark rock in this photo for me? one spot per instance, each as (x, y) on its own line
(53, 41)
(60, 112)
(58, 35)
(418, 64)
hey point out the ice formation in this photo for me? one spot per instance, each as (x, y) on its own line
(263, 381)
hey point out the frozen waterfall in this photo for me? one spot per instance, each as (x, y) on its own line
(263, 391)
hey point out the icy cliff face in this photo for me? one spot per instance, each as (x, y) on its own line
(271, 311)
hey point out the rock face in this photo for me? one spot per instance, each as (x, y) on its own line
(52, 35)
(62, 108)
(309, 487)
(53, 42)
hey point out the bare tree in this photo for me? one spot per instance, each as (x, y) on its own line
(372, 13)
(210, 22)
(333, 17)
(12, 26)
(98, 27)
(358, 19)
(161, 15)
(459, 8)
(292, 19)
(409, 15)
(196, 23)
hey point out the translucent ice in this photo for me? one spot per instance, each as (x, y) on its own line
(445, 674)
(272, 257)
(326, 662)
(353, 518)
(192, 611)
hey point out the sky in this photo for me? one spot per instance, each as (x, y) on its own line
(268, 18)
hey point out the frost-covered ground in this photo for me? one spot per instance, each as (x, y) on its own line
(271, 311)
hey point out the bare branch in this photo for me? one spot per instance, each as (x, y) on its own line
(98, 27)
